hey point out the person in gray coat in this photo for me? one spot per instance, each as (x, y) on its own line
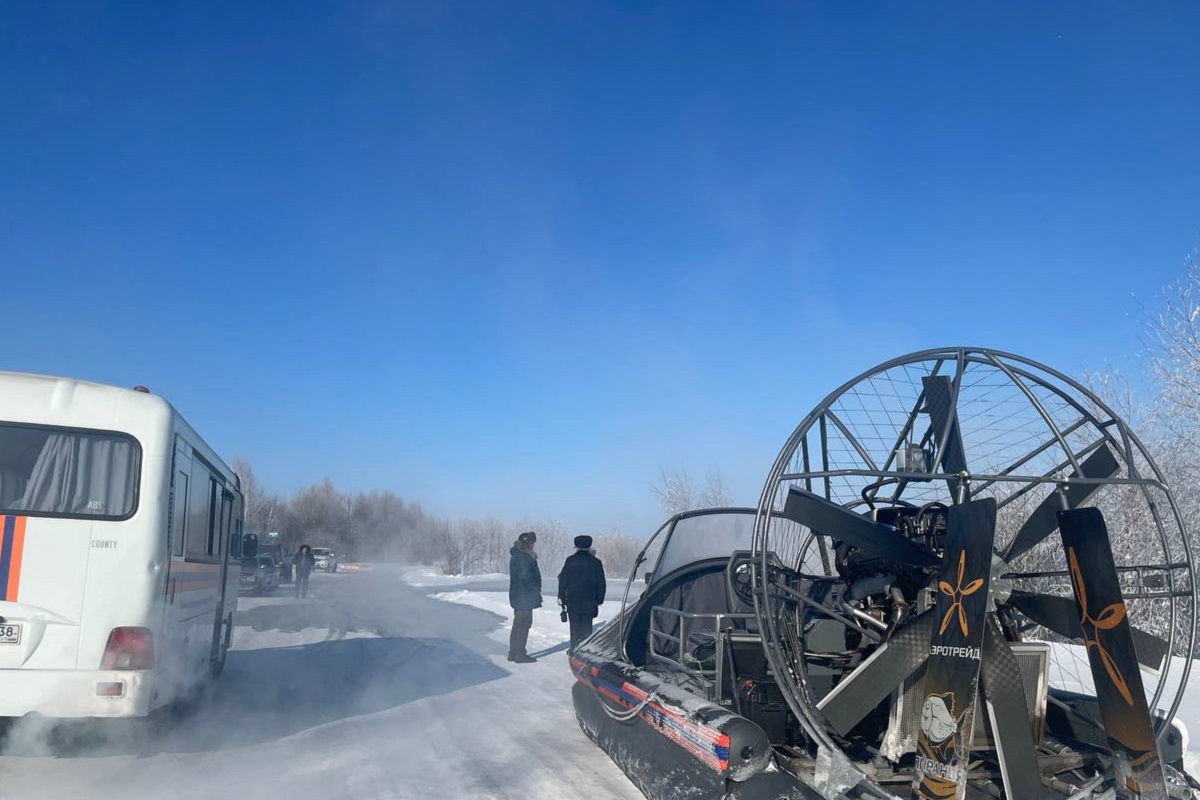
(302, 567)
(524, 594)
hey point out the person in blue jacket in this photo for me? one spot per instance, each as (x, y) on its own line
(524, 594)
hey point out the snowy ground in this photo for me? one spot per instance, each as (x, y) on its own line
(369, 689)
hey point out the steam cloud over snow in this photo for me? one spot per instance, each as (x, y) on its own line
(370, 689)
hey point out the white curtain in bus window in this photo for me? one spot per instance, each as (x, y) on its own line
(81, 473)
(12, 484)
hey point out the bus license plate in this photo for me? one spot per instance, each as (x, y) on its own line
(10, 634)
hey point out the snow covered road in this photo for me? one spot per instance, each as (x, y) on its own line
(370, 689)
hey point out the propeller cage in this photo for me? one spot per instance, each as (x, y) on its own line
(929, 493)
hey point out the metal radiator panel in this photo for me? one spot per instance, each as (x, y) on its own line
(905, 722)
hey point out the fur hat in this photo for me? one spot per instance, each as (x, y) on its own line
(528, 537)
(583, 542)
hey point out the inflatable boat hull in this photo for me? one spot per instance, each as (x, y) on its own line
(673, 745)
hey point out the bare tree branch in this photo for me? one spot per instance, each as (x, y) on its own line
(714, 494)
(674, 491)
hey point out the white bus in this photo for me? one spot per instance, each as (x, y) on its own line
(120, 550)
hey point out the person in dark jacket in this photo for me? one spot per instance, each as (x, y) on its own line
(581, 588)
(524, 594)
(302, 567)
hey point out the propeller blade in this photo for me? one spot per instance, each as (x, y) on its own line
(1042, 522)
(939, 397)
(876, 678)
(1061, 615)
(830, 519)
(1110, 649)
(952, 677)
(1008, 716)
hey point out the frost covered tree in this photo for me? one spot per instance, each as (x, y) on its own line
(618, 552)
(1174, 345)
(674, 491)
(1163, 409)
(262, 510)
(714, 494)
(463, 547)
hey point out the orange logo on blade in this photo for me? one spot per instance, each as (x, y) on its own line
(957, 593)
(1108, 619)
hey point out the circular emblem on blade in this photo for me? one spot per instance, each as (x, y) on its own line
(937, 723)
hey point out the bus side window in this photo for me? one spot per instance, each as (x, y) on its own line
(200, 512)
(179, 513)
(214, 516)
(226, 520)
(235, 533)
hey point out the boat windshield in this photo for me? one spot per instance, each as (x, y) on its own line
(714, 534)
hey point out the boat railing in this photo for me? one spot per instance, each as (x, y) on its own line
(689, 624)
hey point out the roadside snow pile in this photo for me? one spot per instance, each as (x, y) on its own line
(247, 638)
(432, 576)
(548, 631)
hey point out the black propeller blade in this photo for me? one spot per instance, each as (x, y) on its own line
(1110, 648)
(939, 397)
(876, 678)
(1008, 716)
(830, 519)
(952, 677)
(1061, 615)
(1100, 464)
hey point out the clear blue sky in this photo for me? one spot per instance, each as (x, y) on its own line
(511, 258)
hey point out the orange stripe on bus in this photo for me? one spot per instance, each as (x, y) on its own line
(14, 568)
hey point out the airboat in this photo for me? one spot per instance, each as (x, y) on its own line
(966, 577)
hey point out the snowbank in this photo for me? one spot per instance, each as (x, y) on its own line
(246, 638)
(432, 577)
(548, 631)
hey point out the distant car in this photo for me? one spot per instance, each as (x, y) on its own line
(283, 560)
(259, 574)
(326, 560)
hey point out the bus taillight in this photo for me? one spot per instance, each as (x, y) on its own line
(129, 648)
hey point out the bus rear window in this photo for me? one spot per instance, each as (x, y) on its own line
(67, 472)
